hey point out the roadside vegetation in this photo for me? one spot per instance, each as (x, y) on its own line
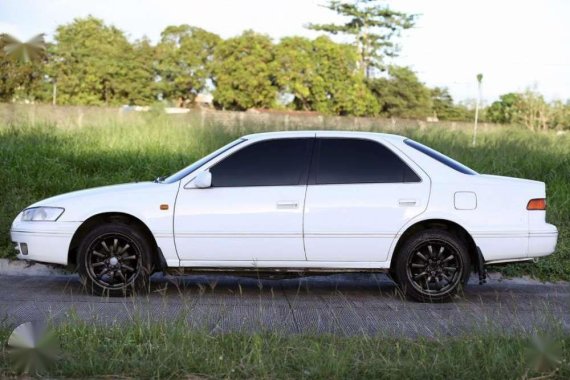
(41, 160)
(91, 62)
(174, 350)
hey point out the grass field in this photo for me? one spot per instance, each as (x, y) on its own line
(40, 160)
(173, 350)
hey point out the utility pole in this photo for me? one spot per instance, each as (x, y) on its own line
(479, 80)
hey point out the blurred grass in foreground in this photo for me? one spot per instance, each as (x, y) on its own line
(38, 160)
(174, 350)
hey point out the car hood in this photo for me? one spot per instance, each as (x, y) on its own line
(86, 195)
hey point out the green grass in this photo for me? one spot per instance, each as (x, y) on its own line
(174, 350)
(41, 160)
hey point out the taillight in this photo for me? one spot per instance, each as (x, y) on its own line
(536, 204)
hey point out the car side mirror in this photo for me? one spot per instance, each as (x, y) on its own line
(203, 180)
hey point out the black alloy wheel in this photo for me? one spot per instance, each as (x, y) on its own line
(115, 259)
(432, 266)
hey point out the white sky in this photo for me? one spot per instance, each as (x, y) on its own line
(515, 44)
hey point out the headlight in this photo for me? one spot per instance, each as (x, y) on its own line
(42, 214)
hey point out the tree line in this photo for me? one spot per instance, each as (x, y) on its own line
(92, 63)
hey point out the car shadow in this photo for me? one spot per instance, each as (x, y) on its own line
(355, 285)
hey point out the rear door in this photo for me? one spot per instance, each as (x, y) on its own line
(360, 194)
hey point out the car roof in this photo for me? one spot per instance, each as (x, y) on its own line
(321, 133)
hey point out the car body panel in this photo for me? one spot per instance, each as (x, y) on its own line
(332, 227)
(139, 200)
(233, 223)
(360, 227)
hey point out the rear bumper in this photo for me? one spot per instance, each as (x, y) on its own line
(542, 242)
(46, 242)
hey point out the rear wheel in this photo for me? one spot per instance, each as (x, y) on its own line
(432, 266)
(115, 259)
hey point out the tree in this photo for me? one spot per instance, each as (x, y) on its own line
(322, 76)
(532, 111)
(242, 72)
(373, 27)
(21, 67)
(445, 108)
(526, 109)
(295, 71)
(560, 115)
(401, 94)
(93, 64)
(31, 50)
(184, 58)
(140, 86)
(504, 110)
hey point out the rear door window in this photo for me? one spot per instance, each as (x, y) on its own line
(345, 161)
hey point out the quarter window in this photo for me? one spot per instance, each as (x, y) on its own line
(280, 162)
(360, 161)
(440, 157)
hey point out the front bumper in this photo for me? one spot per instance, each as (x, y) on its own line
(46, 242)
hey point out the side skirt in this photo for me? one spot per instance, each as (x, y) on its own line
(272, 273)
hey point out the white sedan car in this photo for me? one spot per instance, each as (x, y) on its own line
(293, 203)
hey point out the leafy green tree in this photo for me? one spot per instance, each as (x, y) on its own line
(93, 64)
(528, 109)
(184, 57)
(22, 66)
(322, 76)
(295, 71)
(243, 75)
(445, 108)
(32, 50)
(401, 94)
(560, 115)
(504, 110)
(532, 111)
(140, 86)
(373, 27)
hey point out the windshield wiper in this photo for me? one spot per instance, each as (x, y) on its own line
(159, 179)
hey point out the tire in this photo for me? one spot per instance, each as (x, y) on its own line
(432, 266)
(115, 259)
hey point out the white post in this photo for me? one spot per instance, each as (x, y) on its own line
(479, 79)
(54, 93)
(475, 126)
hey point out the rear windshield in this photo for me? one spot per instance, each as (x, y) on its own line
(440, 157)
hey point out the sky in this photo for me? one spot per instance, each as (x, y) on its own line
(515, 44)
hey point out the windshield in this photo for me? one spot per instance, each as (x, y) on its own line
(189, 169)
(440, 157)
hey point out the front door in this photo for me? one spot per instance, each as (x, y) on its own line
(360, 194)
(253, 212)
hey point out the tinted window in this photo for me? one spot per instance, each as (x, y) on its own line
(268, 163)
(360, 161)
(440, 157)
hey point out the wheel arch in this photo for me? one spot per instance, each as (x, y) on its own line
(109, 217)
(437, 223)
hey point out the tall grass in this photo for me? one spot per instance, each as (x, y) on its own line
(173, 350)
(38, 160)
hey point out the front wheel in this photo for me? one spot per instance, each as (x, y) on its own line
(115, 259)
(432, 266)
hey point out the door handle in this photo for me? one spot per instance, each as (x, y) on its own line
(287, 204)
(407, 202)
